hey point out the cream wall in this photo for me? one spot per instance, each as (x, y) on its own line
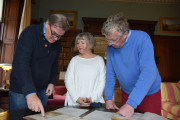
(102, 8)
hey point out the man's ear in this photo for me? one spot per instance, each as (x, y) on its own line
(46, 23)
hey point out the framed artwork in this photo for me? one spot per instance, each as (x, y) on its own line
(71, 16)
(169, 25)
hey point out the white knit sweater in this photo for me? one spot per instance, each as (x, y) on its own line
(85, 78)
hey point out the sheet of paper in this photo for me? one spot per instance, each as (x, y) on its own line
(140, 116)
(53, 116)
(68, 113)
(71, 111)
(152, 116)
(39, 117)
(99, 115)
(136, 116)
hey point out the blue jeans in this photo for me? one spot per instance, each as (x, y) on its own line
(18, 101)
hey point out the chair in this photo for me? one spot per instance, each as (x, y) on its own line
(170, 95)
(58, 97)
(1, 110)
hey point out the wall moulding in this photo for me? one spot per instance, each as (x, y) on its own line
(150, 1)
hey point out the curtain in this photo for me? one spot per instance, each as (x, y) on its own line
(26, 16)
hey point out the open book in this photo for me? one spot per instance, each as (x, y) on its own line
(140, 116)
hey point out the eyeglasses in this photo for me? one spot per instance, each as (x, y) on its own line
(114, 41)
(54, 34)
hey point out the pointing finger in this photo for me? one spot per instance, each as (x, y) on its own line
(42, 110)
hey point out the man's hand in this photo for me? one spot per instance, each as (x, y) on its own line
(49, 89)
(34, 104)
(126, 111)
(83, 102)
(110, 105)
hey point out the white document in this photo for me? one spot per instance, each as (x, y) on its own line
(140, 116)
(71, 111)
(53, 116)
(99, 115)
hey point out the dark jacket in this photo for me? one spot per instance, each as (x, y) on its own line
(35, 61)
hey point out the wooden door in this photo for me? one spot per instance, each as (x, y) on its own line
(11, 21)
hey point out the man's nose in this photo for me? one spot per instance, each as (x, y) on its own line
(56, 38)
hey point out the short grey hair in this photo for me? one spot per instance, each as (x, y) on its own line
(59, 20)
(88, 37)
(118, 22)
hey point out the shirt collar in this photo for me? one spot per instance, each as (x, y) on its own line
(129, 34)
(44, 33)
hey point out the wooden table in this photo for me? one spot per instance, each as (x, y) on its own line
(4, 92)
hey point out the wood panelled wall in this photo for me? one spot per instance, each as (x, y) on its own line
(168, 50)
(11, 21)
(67, 51)
(94, 25)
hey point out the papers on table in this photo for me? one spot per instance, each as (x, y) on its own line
(67, 113)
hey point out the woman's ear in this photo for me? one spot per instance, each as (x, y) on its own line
(90, 47)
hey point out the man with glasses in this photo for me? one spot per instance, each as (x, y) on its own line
(130, 58)
(35, 62)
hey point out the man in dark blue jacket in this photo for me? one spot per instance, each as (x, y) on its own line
(35, 61)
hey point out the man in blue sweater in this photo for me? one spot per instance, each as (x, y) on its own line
(34, 67)
(130, 58)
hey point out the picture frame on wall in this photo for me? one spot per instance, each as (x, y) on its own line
(169, 25)
(71, 16)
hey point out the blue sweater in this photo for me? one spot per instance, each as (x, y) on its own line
(35, 61)
(134, 66)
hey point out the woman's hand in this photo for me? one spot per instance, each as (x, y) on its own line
(83, 102)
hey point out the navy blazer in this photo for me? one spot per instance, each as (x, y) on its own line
(35, 61)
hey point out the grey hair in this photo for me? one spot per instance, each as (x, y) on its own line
(88, 37)
(118, 22)
(59, 20)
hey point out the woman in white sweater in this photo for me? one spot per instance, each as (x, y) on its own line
(85, 76)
